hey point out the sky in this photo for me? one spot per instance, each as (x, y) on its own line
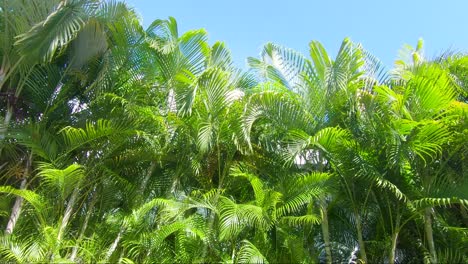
(382, 27)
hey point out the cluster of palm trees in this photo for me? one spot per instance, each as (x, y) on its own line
(129, 145)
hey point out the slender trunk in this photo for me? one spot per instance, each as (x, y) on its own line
(68, 213)
(212, 214)
(16, 210)
(233, 255)
(6, 122)
(393, 248)
(83, 227)
(171, 101)
(429, 235)
(326, 232)
(395, 239)
(114, 245)
(275, 241)
(362, 247)
(147, 177)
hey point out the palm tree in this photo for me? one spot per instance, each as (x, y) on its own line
(120, 144)
(320, 84)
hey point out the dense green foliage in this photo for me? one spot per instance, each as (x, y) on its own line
(129, 145)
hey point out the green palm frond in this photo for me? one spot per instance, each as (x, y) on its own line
(22, 250)
(439, 202)
(65, 180)
(170, 208)
(300, 191)
(431, 91)
(364, 169)
(374, 72)
(255, 182)
(303, 220)
(217, 95)
(429, 139)
(320, 59)
(45, 39)
(280, 65)
(325, 140)
(248, 253)
(40, 86)
(220, 56)
(452, 255)
(279, 107)
(78, 137)
(113, 10)
(408, 58)
(185, 231)
(187, 54)
(90, 43)
(43, 143)
(235, 217)
(163, 34)
(336, 75)
(231, 222)
(194, 50)
(36, 200)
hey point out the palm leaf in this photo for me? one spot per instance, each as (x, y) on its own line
(45, 39)
(65, 180)
(248, 253)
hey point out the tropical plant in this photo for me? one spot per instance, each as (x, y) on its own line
(129, 145)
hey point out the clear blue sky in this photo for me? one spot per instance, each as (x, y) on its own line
(382, 27)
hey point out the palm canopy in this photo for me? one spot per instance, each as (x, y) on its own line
(133, 145)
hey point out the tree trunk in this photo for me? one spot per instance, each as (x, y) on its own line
(395, 239)
(429, 235)
(147, 177)
(6, 122)
(326, 233)
(115, 244)
(68, 213)
(234, 252)
(16, 210)
(362, 247)
(83, 227)
(393, 248)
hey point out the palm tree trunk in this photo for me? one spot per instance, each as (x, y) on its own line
(6, 122)
(234, 252)
(211, 214)
(326, 233)
(395, 239)
(68, 213)
(83, 227)
(393, 248)
(147, 177)
(114, 245)
(362, 247)
(429, 234)
(16, 210)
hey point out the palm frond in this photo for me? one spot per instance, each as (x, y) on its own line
(248, 253)
(45, 39)
(65, 180)
(78, 137)
(36, 200)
